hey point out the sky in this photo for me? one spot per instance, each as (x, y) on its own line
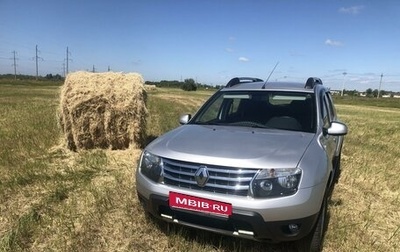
(348, 44)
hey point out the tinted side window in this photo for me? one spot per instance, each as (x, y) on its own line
(332, 110)
(234, 106)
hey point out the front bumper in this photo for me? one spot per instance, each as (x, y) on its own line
(269, 220)
(244, 224)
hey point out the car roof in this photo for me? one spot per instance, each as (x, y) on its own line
(270, 86)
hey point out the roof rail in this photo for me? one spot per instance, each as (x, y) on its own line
(240, 80)
(312, 81)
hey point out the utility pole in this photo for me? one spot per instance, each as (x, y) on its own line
(380, 84)
(344, 80)
(15, 65)
(109, 69)
(67, 62)
(37, 63)
(37, 66)
(93, 70)
(67, 59)
(63, 64)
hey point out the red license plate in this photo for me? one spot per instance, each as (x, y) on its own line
(197, 204)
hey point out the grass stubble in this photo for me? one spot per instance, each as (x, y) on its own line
(365, 212)
(54, 199)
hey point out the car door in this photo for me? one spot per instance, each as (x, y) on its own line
(328, 115)
(333, 115)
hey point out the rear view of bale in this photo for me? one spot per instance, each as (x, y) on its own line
(103, 110)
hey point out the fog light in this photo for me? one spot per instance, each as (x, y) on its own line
(294, 228)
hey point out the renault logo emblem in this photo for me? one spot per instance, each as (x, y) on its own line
(201, 176)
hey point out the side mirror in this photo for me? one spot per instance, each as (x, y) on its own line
(337, 129)
(184, 119)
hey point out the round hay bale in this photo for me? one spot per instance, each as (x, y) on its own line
(150, 87)
(103, 110)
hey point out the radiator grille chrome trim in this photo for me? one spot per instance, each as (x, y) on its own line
(222, 179)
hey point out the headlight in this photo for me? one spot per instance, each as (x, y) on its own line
(270, 183)
(151, 166)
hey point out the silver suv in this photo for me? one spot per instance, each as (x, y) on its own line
(259, 160)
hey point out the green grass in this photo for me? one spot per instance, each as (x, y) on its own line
(29, 82)
(365, 101)
(27, 130)
(166, 105)
(367, 218)
(54, 199)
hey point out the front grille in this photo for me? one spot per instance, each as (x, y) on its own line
(222, 179)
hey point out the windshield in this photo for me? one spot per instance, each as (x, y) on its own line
(263, 109)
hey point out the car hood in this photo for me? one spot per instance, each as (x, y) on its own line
(233, 146)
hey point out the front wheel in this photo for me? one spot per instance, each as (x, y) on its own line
(313, 242)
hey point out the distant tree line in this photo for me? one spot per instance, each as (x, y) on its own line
(372, 93)
(56, 77)
(191, 85)
(187, 85)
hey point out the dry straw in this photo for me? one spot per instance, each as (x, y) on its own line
(103, 110)
(150, 87)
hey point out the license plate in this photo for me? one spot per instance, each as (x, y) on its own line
(192, 203)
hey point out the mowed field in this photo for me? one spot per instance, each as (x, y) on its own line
(52, 199)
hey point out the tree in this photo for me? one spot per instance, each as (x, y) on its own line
(53, 77)
(189, 85)
(369, 92)
(352, 92)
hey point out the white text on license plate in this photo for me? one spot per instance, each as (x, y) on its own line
(198, 204)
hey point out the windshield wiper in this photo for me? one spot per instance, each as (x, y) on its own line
(250, 124)
(210, 123)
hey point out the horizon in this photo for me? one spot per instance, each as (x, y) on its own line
(205, 85)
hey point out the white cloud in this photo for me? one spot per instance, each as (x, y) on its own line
(354, 10)
(331, 42)
(229, 49)
(244, 59)
(231, 38)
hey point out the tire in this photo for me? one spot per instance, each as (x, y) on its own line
(313, 242)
